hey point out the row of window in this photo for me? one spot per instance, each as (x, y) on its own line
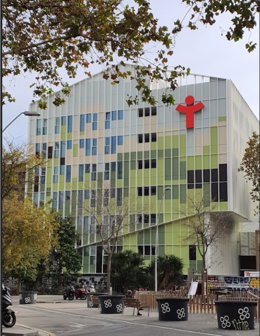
(88, 118)
(147, 111)
(147, 137)
(112, 116)
(146, 164)
(149, 250)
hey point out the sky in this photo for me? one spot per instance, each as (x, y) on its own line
(205, 51)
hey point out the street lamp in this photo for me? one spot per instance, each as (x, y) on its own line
(156, 242)
(26, 113)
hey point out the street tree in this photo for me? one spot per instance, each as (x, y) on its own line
(128, 271)
(108, 213)
(28, 232)
(64, 261)
(205, 228)
(250, 165)
(170, 270)
(44, 37)
(28, 236)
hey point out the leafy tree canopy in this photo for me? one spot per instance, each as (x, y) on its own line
(43, 37)
(27, 238)
(128, 271)
(250, 165)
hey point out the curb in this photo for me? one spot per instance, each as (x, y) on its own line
(23, 330)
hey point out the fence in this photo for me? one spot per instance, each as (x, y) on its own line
(197, 303)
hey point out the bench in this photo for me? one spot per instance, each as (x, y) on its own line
(136, 304)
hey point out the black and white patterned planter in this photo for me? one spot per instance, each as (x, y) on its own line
(173, 309)
(111, 304)
(28, 297)
(236, 315)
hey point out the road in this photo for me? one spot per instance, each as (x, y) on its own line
(73, 318)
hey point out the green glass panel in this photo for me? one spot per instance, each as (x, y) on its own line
(168, 142)
(146, 154)
(205, 150)
(175, 194)
(214, 161)
(168, 153)
(126, 156)
(119, 156)
(191, 163)
(75, 150)
(133, 155)
(183, 170)
(160, 154)
(175, 168)
(206, 161)
(183, 193)
(133, 164)
(167, 169)
(153, 154)
(175, 152)
(140, 238)
(139, 155)
(198, 162)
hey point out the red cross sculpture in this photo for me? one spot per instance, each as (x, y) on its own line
(189, 110)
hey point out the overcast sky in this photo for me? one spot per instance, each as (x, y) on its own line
(204, 51)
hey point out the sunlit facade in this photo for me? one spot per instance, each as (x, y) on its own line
(151, 159)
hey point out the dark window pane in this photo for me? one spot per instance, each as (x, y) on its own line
(223, 172)
(198, 176)
(146, 219)
(140, 191)
(140, 250)
(190, 185)
(153, 250)
(140, 112)
(113, 166)
(140, 164)
(154, 110)
(87, 168)
(206, 175)
(147, 250)
(153, 137)
(192, 252)
(147, 111)
(214, 192)
(140, 138)
(153, 190)
(190, 176)
(146, 191)
(50, 152)
(214, 175)
(153, 163)
(153, 218)
(62, 161)
(223, 192)
(198, 185)
(146, 137)
(146, 164)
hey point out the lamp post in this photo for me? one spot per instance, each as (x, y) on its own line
(26, 113)
(156, 242)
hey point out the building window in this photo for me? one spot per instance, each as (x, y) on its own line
(192, 252)
(140, 138)
(87, 168)
(153, 163)
(81, 172)
(146, 137)
(140, 191)
(57, 125)
(223, 193)
(55, 174)
(50, 150)
(44, 127)
(88, 118)
(153, 191)
(94, 146)
(69, 125)
(94, 123)
(114, 115)
(69, 144)
(146, 164)
(38, 127)
(153, 219)
(120, 114)
(107, 145)
(147, 111)
(153, 137)
(62, 149)
(119, 170)
(154, 110)
(94, 172)
(119, 197)
(140, 164)
(87, 147)
(106, 172)
(68, 173)
(37, 150)
(223, 172)
(63, 120)
(44, 150)
(81, 143)
(107, 121)
(82, 123)
(140, 112)
(120, 140)
(113, 144)
(146, 191)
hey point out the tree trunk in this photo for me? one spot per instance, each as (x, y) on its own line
(109, 261)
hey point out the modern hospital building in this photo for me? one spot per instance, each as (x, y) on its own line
(155, 159)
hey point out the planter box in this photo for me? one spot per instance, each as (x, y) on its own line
(28, 297)
(173, 309)
(111, 304)
(235, 315)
